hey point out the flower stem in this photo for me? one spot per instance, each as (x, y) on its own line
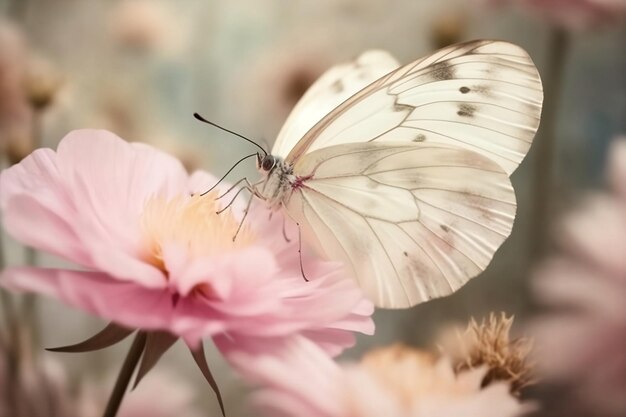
(30, 305)
(8, 308)
(126, 373)
(545, 146)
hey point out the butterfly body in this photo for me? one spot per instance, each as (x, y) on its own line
(403, 173)
(278, 178)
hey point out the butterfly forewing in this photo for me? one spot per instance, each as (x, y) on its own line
(329, 91)
(411, 221)
(485, 96)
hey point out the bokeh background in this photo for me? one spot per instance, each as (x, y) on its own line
(140, 68)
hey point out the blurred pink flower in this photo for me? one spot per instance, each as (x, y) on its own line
(583, 341)
(147, 25)
(164, 394)
(574, 14)
(157, 257)
(397, 381)
(33, 389)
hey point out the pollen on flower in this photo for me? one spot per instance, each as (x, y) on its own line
(192, 224)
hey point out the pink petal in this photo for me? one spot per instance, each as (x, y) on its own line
(571, 284)
(200, 182)
(97, 293)
(91, 193)
(598, 233)
(37, 173)
(29, 221)
(109, 181)
(294, 366)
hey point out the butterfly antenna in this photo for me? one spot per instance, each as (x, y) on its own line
(228, 172)
(202, 119)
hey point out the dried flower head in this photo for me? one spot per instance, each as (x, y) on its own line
(15, 111)
(489, 343)
(41, 83)
(448, 29)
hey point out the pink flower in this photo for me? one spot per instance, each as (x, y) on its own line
(395, 381)
(155, 257)
(147, 25)
(575, 14)
(33, 389)
(583, 342)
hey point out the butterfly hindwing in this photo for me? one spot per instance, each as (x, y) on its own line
(410, 221)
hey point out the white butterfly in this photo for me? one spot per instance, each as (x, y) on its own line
(405, 178)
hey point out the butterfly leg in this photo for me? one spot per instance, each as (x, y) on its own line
(299, 243)
(253, 193)
(285, 230)
(300, 252)
(232, 187)
(248, 186)
(245, 214)
(231, 201)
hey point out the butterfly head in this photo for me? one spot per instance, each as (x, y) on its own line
(265, 163)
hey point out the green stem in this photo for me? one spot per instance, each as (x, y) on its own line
(545, 145)
(30, 304)
(126, 373)
(8, 308)
(11, 344)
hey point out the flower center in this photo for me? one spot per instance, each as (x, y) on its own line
(190, 223)
(406, 372)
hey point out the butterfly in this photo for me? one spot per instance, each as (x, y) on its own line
(402, 173)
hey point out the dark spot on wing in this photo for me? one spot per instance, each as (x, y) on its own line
(444, 228)
(399, 107)
(405, 253)
(442, 71)
(419, 138)
(464, 90)
(466, 110)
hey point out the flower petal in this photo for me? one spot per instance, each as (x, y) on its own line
(125, 303)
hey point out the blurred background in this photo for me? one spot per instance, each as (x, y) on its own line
(140, 68)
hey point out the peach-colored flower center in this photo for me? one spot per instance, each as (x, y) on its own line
(190, 223)
(409, 376)
(404, 371)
